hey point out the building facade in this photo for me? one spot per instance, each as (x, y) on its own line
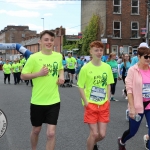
(14, 34)
(124, 21)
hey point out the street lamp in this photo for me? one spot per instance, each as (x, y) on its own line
(43, 23)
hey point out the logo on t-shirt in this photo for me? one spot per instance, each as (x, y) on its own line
(55, 69)
(100, 80)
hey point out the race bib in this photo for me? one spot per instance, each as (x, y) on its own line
(114, 70)
(17, 69)
(97, 94)
(79, 65)
(146, 90)
(70, 64)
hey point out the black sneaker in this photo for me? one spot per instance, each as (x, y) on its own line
(120, 146)
(95, 147)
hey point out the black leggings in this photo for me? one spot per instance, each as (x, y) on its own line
(113, 86)
(123, 78)
(5, 77)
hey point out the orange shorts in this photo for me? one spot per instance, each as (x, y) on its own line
(94, 113)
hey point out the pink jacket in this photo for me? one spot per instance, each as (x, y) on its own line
(134, 85)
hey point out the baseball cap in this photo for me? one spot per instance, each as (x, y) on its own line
(143, 44)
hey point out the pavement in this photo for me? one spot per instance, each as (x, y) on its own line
(71, 133)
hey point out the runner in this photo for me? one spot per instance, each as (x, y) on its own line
(43, 68)
(71, 63)
(7, 71)
(80, 64)
(94, 85)
(114, 66)
(138, 87)
(15, 68)
(125, 65)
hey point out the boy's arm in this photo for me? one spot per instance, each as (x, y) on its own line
(43, 72)
(81, 91)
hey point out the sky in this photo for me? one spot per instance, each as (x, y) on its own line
(56, 13)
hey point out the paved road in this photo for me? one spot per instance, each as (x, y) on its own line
(71, 131)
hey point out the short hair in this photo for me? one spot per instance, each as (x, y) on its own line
(47, 32)
(70, 53)
(143, 51)
(97, 44)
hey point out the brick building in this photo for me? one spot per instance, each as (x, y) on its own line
(124, 21)
(14, 34)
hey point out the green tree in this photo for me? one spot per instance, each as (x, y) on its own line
(91, 33)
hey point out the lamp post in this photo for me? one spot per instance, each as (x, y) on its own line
(43, 22)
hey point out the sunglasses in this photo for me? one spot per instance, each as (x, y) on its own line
(146, 57)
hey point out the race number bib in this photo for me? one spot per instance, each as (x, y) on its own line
(3, 123)
(146, 91)
(70, 64)
(97, 94)
(114, 70)
(17, 69)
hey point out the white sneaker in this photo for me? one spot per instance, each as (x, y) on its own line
(145, 142)
(126, 97)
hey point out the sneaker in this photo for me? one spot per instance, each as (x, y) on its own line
(120, 146)
(145, 142)
(112, 99)
(95, 147)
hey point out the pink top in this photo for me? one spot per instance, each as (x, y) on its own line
(134, 85)
(146, 87)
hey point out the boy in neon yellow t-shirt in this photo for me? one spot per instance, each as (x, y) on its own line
(94, 85)
(43, 68)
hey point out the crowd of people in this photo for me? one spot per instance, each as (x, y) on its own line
(96, 80)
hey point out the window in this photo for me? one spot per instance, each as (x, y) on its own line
(117, 29)
(135, 6)
(117, 6)
(134, 29)
(114, 49)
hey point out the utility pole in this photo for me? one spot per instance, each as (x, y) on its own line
(148, 20)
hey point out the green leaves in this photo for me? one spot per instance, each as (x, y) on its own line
(91, 33)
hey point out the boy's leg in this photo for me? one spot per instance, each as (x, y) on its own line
(51, 130)
(93, 137)
(34, 137)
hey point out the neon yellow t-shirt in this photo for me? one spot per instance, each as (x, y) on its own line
(19, 66)
(7, 68)
(71, 63)
(45, 88)
(15, 67)
(94, 80)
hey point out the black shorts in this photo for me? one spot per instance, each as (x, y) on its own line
(44, 114)
(71, 71)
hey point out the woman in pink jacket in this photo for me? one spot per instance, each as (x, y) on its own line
(138, 91)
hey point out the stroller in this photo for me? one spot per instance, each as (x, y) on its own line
(67, 79)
